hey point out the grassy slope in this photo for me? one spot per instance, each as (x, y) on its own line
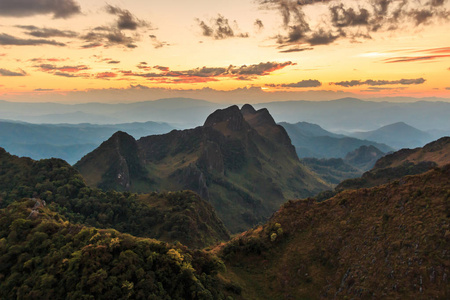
(389, 241)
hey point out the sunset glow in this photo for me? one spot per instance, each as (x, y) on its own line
(124, 51)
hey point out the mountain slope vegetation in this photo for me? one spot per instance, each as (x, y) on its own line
(176, 216)
(389, 241)
(239, 160)
(44, 256)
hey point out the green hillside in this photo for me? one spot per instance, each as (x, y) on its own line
(44, 256)
(174, 216)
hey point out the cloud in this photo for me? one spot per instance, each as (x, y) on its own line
(296, 49)
(219, 28)
(125, 19)
(157, 43)
(108, 36)
(259, 25)
(25, 8)
(9, 40)
(43, 90)
(106, 75)
(4, 72)
(303, 84)
(206, 74)
(413, 58)
(371, 82)
(68, 69)
(112, 62)
(353, 20)
(345, 17)
(47, 32)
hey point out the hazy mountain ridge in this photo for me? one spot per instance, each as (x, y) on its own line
(311, 140)
(401, 163)
(342, 114)
(399, 135)
(221, 161)
(66, 141)
(388, 241)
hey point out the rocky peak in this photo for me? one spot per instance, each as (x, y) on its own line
(230, 118)
(248, 109)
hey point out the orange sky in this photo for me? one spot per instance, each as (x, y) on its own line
(119, 51)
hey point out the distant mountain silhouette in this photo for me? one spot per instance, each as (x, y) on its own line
(399, 135)
(364, 158)
(311, 140)
(240, 160)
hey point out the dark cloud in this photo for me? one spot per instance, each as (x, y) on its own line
(351, 21)
(303, 84)
(108, 36)
(296, 49)
(219, 28)
(113, 62)
(24, 8)
(379, 82)
(43, 90)
(259, 24)
(68, 69)
(47, 32)
(161, 68)
(125, 20)
(4, 72)
(9, 40)
(345, 17)
(205, 74)
(447, 88)
(157, 43)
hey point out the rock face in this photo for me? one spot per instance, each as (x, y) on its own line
(240, 160)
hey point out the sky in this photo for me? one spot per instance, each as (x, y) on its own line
(74, 51)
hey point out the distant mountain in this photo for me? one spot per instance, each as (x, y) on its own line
(401, 163)
(184, 112)
(347, 114)
(399, 135)
(385, 242)
(311, 140)
(176, 216)
(240, 160)
(352, 114)
(66, 141)
(364, 158)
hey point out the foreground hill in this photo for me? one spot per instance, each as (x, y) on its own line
(66, 141)
(177, 216)
(401, 163)
(239, 160)
(43, 256)
(399, 135)
(386, 242)
(311, 140)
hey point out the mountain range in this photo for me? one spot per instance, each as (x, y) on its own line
(221, 161)
(348, 114)
(311, 140)
(398, 135)
(66, 141)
